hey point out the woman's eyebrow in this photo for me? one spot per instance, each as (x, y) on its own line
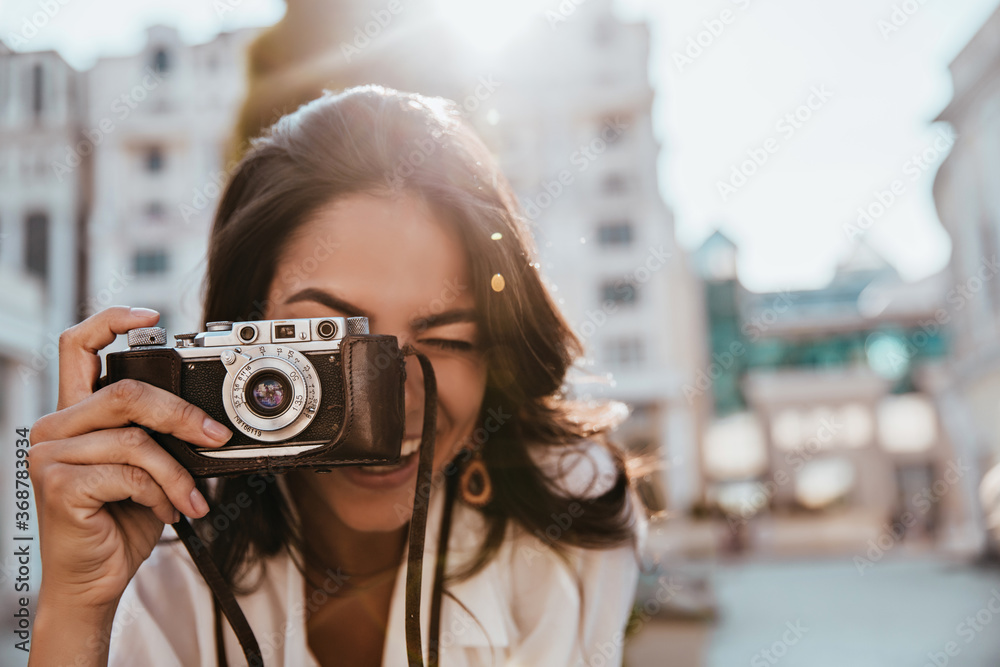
(329, 300)
(440, 319)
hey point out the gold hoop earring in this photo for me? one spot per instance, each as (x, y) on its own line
(475, 484)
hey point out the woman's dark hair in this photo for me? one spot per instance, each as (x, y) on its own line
(379, 141)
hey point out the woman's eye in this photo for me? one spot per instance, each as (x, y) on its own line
(449, 344)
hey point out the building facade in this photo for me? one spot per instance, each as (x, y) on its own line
(572, 126)
(42, 220)
(968, 204)
(160, 122)
(836, 399)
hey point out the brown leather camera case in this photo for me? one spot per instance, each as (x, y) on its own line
(369, 398)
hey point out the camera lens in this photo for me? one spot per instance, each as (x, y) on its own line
(326, 329)
(247, 333)
(268, 393)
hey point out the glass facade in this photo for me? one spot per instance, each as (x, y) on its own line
(738, 345)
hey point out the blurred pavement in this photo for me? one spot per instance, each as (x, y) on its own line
(904, 611)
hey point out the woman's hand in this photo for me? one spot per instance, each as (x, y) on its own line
(104, 488)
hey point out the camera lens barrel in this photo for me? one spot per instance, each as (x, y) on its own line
(268, 393)
(271, 391)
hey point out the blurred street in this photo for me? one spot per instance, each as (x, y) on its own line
(823, 613)
(897, 614)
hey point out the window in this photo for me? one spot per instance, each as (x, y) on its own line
(619, 292)
(36, 245)
(614, 184)
(617, 233)
(154, 159)
(149, 262)
(41, 168)
(161, 61)
(612, 127)
(604, 31)
(37, 81)
(625, 352)
(155, 211)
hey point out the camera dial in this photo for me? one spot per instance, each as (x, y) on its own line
(146, 336)
(270, 392)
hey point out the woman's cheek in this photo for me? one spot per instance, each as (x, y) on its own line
(461, 387)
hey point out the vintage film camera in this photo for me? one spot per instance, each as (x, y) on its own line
(300, 393)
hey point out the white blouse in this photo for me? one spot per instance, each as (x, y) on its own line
(527, 607)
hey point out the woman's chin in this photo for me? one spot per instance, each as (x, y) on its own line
(380, 520)
(380, 516)
(370, 501)
(370, 498)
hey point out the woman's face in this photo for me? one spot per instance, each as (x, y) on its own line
(392, 260)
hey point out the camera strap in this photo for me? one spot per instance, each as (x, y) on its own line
(225, 600)
(222, 595)
(418, 520)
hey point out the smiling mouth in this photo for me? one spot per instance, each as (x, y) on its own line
(410, 445)
(407, 452)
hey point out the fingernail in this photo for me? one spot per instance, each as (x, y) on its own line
(143, 312)
(215, 430)
(198, 502)
(177, 516)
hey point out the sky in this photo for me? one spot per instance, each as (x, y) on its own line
(862, 80)
(884, 87)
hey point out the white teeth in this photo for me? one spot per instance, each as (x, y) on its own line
(380, 470)
(410, 445)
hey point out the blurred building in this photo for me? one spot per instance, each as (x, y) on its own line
(572, 126)
(42, 222)
(968, 204)
(833, 398)
(160, 122)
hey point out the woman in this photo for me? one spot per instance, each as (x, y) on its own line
(381, 204)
